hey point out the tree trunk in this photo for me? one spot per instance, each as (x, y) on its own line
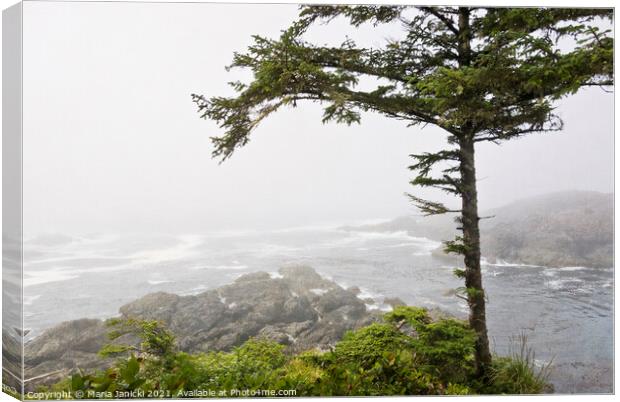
(469, 216)
(471, 240)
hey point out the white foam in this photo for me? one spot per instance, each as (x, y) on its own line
(233, 267)
(380, 307)
(276, 275)
(319, 292)
(172, 253)
(28, 300)
(364, 241)
(372, 221)
(197, 289)
(156, 282)
(41, 277)
(560, 284)
(571, 269)
(307, 228)
(367, 294)
(502, 263)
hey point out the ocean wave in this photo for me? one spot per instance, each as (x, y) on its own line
(563, 284)
(381, 240)
(271, 250)
(380, 307)
(366, 293)
(157, 282)
(502, 263)
(173, 253)
(572, 269)
(194, 291)
(607, 284)
(318, 291)
(77, 261)
(28, 300)
(43, 277)
(221, 267)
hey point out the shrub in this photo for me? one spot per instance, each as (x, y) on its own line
(155, 339)
(304, 376)
(447, 347)
(369, 344)
(376, 360)
(254, 365)
(414, 316)
(431, 358)
(394, 373)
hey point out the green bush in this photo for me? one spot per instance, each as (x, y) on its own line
(446, 347)
(414, 316)
(254, 365)
(156, 340)
(369, 344)
(394, 373)
(427, 358)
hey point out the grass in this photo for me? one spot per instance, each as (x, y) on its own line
(519, 373)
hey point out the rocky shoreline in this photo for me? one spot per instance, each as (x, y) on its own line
(297, 308)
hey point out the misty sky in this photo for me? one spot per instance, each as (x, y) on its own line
(113, 142)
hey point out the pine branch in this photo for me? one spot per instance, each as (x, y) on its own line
(429, 207)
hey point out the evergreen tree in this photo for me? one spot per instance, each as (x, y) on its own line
(480, 74)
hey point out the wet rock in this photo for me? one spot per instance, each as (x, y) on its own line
(394, 302)
(297, 308)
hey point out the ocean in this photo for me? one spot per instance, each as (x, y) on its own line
(565, 313)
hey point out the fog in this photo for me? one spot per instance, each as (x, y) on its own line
(113, 143)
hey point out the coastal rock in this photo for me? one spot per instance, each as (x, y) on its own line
(62, 349)
(555, 230)
(84, 335)
(565, 229)
(297, 308)
(11, 359)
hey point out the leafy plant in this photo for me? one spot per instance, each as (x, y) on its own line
(155, 339)
(436, 358)
(369, 344)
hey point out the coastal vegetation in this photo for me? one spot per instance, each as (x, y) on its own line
(406, 353)
(478, 74)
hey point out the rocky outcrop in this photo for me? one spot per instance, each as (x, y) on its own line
(558, 230)
(296, 307)
(572, 228)
(62, 349)
(11, 359)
